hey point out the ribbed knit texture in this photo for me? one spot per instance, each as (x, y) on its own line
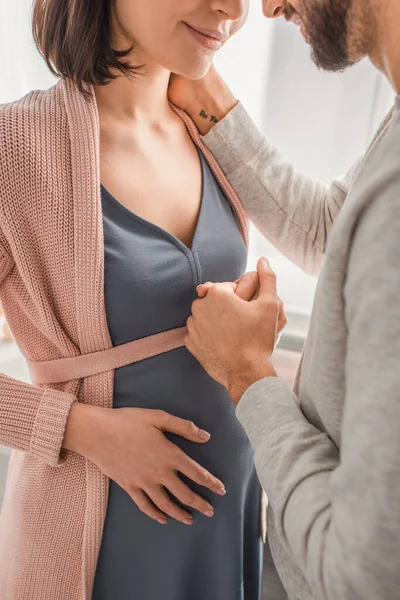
(52, 293)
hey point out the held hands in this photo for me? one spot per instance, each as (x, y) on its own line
(129, 446)
(248, 289)
(233, 329)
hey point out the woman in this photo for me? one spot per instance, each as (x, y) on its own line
(111, 215)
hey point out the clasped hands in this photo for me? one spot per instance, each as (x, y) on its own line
(233, 329)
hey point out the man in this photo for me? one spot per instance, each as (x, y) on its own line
(328, 454)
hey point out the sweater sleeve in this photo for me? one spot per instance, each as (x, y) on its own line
(337, 510)
(293, 211)
(31, 418)
(6, 260)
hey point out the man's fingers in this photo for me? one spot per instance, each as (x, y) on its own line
(186, 496)
(267, 279)
(186, 429)
(248, 286)
(161, 499)
(147, 507)
(282, 319)
(199, 475)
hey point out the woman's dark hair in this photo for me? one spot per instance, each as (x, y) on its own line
(74, 38)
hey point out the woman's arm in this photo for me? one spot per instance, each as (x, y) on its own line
(31, 418)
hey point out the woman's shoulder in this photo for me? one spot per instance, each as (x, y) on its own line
(24, 127)
(20, 117)
(33, 144)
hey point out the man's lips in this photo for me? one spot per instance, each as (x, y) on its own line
(211, 39)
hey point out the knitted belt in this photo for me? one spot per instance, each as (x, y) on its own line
(85, 365)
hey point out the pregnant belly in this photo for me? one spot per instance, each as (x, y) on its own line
(176, 383)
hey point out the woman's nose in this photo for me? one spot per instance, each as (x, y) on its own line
(273, 8)
(235, 10)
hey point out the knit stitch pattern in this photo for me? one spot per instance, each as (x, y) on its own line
(52, 293)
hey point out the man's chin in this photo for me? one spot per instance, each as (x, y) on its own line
(331, 62)
(304, 33)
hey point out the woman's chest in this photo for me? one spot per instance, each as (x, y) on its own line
(151, 275)
(157, 179)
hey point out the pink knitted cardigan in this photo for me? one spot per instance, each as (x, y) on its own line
(51, 289)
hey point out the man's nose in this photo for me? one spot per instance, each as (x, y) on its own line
(273, 8)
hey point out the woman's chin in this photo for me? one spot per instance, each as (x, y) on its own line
(195, 70)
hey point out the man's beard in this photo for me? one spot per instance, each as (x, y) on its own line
(327, 29)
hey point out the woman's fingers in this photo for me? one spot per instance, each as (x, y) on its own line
(178, 426)
(161, 499)
(198, 474)
(203, 288)
(147, 507)
(187, 497)
(248, 286)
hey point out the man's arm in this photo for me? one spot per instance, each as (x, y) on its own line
(293, 211)
(337, 512)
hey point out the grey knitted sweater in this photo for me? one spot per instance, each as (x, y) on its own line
(328, 453)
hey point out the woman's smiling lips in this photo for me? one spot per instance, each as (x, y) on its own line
(209, 38)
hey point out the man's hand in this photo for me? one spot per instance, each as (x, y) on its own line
(247, 287)
(233, 337)
(207, 100)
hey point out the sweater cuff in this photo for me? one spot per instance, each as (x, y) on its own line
(49, 426)
(265, 406)
(234, 140)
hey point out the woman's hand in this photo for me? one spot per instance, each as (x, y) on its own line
(207, 100)
(129, 446)
(247, 288)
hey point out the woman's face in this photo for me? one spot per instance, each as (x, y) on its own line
(179, 35)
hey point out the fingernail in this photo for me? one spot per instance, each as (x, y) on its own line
(188, 521)
(204, 435)
(221, 491)
(162, 521)
(265, 259)
(209, 513)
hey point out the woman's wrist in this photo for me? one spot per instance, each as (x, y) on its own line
(82, 425)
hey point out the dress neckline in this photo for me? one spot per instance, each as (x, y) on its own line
(160, 230)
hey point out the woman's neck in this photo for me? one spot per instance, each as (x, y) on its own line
(143, 97)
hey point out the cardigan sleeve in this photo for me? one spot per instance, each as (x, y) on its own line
(293, 211)
(6, 260)
(31, 418)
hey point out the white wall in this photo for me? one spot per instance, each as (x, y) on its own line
(21, 66)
